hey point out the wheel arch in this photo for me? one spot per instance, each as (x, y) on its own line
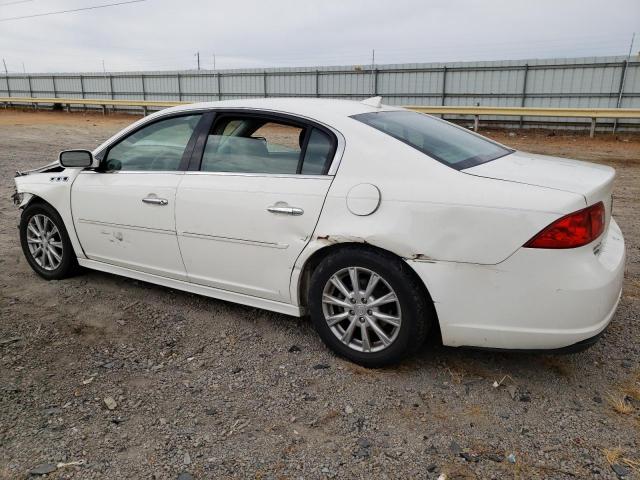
(322, 252)
(58, 196)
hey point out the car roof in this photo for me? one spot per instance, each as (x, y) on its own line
(323, 110)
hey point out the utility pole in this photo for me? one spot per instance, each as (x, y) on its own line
(373, 66)
(624, 77)
(6, 72)
(104, 70)
(24, 69)
(198, 56)
(214, 61)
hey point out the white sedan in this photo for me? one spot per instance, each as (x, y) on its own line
(384, 225)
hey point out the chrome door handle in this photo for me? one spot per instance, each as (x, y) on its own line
(155, 201)
(285, 209)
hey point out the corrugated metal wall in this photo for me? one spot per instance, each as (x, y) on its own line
(578, 82)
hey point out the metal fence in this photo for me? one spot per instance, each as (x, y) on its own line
(597, 82)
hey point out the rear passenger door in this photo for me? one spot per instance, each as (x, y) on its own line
(251, 202)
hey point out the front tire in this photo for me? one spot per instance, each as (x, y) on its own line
(45, 242)
(368, 306)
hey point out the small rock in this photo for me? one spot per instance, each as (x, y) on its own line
(597, 399)
(187, 459)
(321, 366)
(511, 458)
(185, 476)
(364, 450)
(495, 457)
(348, 409)
(364, 443)
(469, 457)
(432, 468)
(43, 469)
(294, 349)
(110, 403)
(512, 389)
(525, 397)
(512, 134)
(236, 370)
(363, 453)
(620, 470)
(455, 448)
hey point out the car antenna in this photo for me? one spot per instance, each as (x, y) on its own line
(375, 102)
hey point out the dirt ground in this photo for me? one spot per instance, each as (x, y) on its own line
(208, 389)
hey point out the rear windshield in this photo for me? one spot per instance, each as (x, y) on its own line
(447, 143)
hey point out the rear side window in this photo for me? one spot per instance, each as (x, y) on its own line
(251, 144)
(318, 153)
(441, 140)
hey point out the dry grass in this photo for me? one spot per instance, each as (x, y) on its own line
(457, 374)
(627, 390)
(619, 403)
(612, 454)
(475, 411)
(616, 455)
(631, 388)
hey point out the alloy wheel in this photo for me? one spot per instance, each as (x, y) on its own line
(44, 241)
(361, 309)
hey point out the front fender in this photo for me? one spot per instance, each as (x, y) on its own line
(55, 189)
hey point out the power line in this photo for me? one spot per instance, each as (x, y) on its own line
(14, 2)
(94, 7)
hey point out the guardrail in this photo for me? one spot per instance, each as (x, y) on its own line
(593, 113)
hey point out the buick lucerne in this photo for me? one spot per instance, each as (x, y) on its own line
(382, 224)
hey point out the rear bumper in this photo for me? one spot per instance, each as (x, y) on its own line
(535, 300)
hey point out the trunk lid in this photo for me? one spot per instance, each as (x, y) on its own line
(594, 182)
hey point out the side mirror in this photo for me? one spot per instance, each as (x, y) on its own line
(76, 159)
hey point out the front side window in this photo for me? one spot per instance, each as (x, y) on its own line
(441, 140)
(251, 144)
(158, 146)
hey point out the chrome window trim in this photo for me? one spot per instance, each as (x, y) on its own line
(126, 172)
(268, 175)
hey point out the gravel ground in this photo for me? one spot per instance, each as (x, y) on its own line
(105, 377)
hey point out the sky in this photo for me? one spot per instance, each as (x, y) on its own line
(167, 34)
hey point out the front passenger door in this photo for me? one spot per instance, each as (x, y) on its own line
(124, 212)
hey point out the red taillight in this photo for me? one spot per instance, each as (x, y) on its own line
(574, 230)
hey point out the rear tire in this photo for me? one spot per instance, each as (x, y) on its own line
(384, 319)
(45, 242)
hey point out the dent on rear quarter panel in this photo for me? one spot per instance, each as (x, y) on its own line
(429, 211)
(399, 250)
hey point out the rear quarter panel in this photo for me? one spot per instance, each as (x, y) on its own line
(429, 211)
